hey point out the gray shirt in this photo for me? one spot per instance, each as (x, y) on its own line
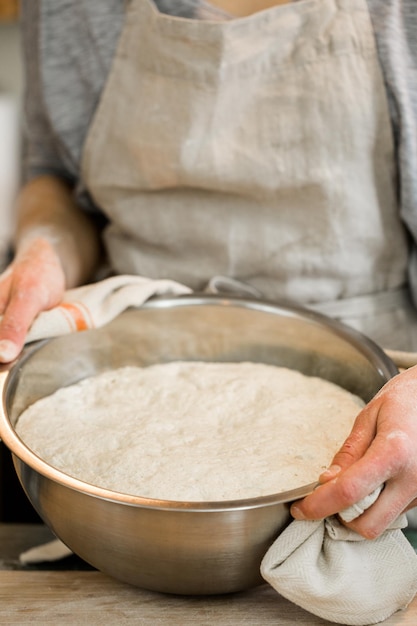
(69, 46)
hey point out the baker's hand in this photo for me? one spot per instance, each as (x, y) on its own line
(34, 282)
(381, 449)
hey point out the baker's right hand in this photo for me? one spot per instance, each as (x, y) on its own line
(33, 282)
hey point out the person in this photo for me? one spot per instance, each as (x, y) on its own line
(273, 142)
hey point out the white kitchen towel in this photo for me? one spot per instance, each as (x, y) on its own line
(333, 572)
(98, 303)
(54, 550)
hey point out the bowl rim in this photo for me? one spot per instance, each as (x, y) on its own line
(23, 454)
(359, 340)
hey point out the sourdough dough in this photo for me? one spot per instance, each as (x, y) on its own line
(192, 431)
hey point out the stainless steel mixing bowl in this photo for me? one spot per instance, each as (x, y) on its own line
(177, 547)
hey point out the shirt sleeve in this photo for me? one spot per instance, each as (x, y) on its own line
(395, 25)
(41, 150)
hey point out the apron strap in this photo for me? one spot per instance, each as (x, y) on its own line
(369, 304)
(226, 285)
(345, 307)
(360, 305)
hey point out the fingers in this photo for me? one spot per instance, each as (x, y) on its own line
(411, 505)
(5, 282)
(23, 307)
(8, 351)
(33, 283)
(389, 460)
(353, 448)
(382, 513)
(397, 459)
(334, 496)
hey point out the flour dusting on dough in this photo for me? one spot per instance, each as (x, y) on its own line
(192, 431)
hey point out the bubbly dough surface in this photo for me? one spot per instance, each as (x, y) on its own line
(192, 431)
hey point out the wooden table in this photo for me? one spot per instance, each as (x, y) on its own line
(93, 599)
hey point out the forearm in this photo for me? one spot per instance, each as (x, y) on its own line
(46, 211)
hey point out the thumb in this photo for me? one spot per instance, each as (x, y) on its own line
(354, 446)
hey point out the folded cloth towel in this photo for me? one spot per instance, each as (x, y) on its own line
(333, 572)
(97, 304)
(403, 360)
(54, 550)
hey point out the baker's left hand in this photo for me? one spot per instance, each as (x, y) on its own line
(381, 449)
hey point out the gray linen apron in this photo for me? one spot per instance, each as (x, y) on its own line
(258, 149)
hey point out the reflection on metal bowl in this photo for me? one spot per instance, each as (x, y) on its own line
(167, 546)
